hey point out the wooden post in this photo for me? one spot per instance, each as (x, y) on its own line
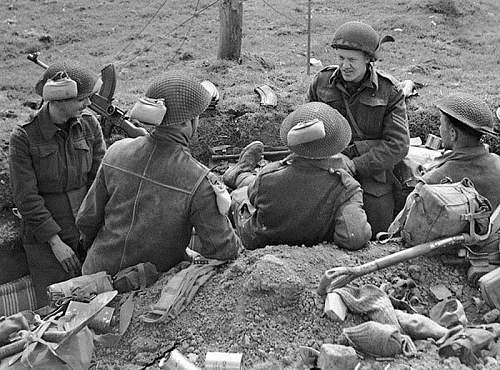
(231, 19)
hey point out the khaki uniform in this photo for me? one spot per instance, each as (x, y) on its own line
(303, 201)
(50, 172)
(381, 138)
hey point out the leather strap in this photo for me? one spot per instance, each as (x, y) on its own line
(353, 122)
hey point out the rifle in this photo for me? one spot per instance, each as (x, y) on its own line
(339, 277)
(102, 102)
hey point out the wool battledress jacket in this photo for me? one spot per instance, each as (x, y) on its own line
(303, 201)
(379, 109)
(50, 173)
(148, 195)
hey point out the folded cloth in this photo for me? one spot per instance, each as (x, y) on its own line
(378, 340)
(370, 300)
(180, 290)
(419, 326)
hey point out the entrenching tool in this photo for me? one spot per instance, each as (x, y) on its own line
(339, 277)
(102, 102)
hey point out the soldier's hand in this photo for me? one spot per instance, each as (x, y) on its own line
(66, 256)
(351, 151)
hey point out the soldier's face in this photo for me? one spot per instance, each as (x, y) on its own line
(73, 108)
(353, 64)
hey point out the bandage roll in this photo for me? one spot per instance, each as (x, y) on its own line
(149, 111)
(60, 87)
(306, 132)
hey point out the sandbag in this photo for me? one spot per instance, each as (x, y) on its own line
(434, 211)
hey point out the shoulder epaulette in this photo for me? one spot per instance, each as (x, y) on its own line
(387, 76)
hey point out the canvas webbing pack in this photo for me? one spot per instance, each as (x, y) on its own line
(434, 211)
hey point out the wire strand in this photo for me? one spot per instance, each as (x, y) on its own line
(142, 29)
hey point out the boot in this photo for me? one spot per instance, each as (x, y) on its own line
(248, 160)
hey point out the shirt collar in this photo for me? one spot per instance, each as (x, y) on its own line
(47, 127)
(371, 81)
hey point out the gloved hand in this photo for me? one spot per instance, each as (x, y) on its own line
(66, 256)
(351, 151)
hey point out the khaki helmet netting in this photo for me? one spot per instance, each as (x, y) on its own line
(85, 79)
(469, 110)
(184, 97)
(358, 36)
(337, 130)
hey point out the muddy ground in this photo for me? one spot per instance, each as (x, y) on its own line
(444, 45)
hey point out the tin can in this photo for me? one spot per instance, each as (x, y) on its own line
(223, 361)
(433, 142)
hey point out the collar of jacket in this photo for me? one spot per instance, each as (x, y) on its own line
(49, 128)
(465, 153)
(371, 82)
(327, 164)
(172, 134)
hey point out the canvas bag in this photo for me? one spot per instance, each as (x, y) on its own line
(434, 211)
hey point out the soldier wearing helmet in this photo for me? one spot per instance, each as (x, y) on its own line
(308, 197)
(150, 192)
(374, 106)
(53, 159)
(464, 120)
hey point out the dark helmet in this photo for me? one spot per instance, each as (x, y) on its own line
(469, 110)
(359, 36)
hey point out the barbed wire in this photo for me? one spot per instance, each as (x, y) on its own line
(290, 18)
(142, 29)
(190, 18)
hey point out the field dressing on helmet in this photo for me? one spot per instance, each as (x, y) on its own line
(101, 97)
(374, 106)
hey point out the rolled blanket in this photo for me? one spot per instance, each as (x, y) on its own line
(370, 300)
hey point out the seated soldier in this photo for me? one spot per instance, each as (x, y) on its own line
(464, 119)
(306, 198)
(150, 192)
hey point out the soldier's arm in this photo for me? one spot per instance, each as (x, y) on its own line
(90, 217)
(217, 236)
(395, 141)
(25, 189)
(352, 230)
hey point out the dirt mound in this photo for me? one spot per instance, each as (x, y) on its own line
(264, 305)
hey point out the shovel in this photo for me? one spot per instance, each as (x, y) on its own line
(339, 277)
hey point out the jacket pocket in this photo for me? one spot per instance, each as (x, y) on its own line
(83, 155)
(372, 115)
(46, 163)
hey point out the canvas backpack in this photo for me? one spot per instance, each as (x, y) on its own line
(434, 211)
